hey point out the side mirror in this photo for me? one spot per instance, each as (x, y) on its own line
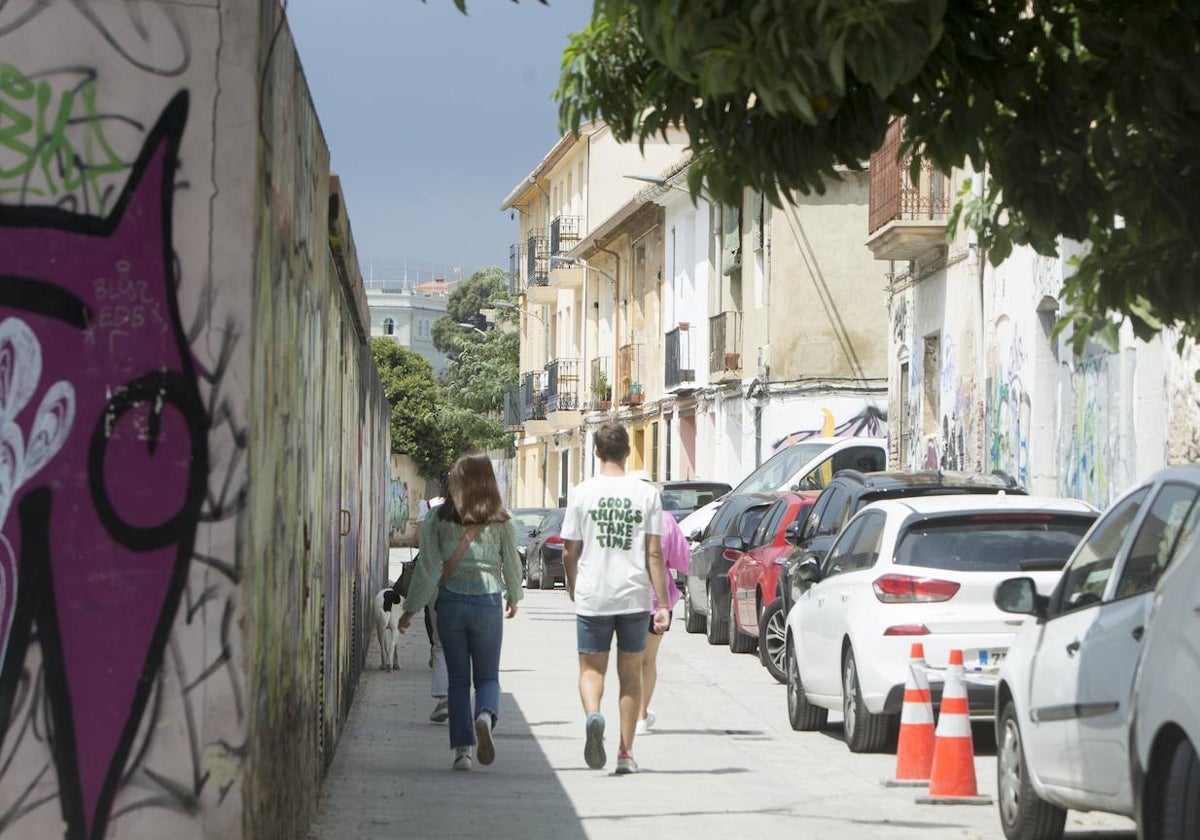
(697, 535)
(792, 534)
(809, 570)
(1020, 596)
(733, 541)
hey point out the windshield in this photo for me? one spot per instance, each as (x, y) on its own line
(690, 498)
(984, 543)
(527, 519)
(777, 471)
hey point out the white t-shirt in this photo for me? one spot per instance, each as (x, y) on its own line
(611, 517)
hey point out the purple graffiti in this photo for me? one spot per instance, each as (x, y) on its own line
(102, 483)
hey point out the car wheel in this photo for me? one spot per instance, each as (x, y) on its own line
(865, 732)
(1181, 799)
(718, 625)
(772, 640)
(1023, 815)
(545, 579)
(739, 642)
(802, 715)
(693, 622)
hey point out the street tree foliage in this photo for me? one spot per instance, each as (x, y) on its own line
(462, 307)
(485, 366)
(1085, 117)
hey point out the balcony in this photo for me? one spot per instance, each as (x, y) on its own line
(516, 284)
(537, 270)
(600, 390)
(564, 234)
(563, 410)
(725, 346)
(630, 375)
(534, 396)
(680, 371)
(513, 416)
(907, 217)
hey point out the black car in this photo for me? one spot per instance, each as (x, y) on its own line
(850, 490)
(527, 521)
(706, 593)
(680, 498)
(544, 557)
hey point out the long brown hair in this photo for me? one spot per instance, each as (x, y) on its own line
(472, 488)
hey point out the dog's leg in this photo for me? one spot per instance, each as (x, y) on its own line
(380, 622)
(395, 649)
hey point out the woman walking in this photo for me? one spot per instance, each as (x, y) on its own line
(469, 562)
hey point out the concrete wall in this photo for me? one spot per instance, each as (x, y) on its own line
(194, 433)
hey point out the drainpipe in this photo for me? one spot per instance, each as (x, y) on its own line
(616, 313)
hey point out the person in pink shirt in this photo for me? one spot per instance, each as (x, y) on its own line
(676, 553)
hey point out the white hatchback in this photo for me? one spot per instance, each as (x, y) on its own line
(1065, 695)
(916, 570)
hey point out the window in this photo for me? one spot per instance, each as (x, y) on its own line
(1157, 539)
(750, 522)
(389, 326)
(1083, 583)
(1000, 543)
(865, 550)
(770, 524)
(839, 558)
(837, 510)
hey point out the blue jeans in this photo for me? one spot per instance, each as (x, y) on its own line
(471, 628)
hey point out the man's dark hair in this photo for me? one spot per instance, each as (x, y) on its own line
(612, 442)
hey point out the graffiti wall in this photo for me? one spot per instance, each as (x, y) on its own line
(406, 491)
(179, 511)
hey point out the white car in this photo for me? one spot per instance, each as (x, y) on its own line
(807, 465)
(1166, 714)
(1064, 697)
(915, 570)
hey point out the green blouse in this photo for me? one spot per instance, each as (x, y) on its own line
(490, 564)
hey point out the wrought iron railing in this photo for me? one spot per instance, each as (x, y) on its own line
(537, 260)
(533, 396)
(725, 342)
(562, 383)
(677, 353)
(894, 194)
(564, 233)
(630, 379)
(600, 391)
(515, 286)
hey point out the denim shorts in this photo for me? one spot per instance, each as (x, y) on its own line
(595, 632)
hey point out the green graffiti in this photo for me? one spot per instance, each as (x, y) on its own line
(53, 143)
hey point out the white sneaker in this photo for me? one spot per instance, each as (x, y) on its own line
(486, 747)
(641, 728)
(650, 718)
(462, 759)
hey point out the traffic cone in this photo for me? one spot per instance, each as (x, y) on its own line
(952, 778)
(914, 753)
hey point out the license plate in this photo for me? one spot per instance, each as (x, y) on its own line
(983, 659)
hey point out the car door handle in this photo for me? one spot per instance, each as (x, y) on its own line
(1073, 648)
(820, 600)
(1138, 632)
(845, 597)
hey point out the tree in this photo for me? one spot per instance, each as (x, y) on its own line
(1084, 116)
(485, 367)
(462, 307)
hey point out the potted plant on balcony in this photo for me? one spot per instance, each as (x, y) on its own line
(635, 393)
(602, 392)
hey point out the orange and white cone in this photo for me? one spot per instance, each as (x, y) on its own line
(952, 779)
(914, 752)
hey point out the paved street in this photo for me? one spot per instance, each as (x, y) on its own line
(722, 761)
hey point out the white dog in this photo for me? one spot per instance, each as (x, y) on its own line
(388, 607)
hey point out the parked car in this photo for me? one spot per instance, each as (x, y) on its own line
(527, 521)
(706, 593)
(1065, 692)
(1165, 739)
(919, 569)
(544, 558)
(807, 465)
(757, 617)
(682, 498)
(851, 490)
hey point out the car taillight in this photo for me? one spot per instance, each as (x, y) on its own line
(907, 630)
(554, 539)
(904, 589)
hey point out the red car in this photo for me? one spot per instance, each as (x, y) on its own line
(754, 581)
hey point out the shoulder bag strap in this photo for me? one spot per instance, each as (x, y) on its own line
(459, 551)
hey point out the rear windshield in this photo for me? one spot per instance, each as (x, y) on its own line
(689, 498)
(983, 543)
(778, 470)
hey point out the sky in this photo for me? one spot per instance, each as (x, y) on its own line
(431, 118)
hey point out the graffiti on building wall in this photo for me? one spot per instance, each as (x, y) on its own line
(398, 510)
(1009, 408)
(1090, 462)
(870, 421)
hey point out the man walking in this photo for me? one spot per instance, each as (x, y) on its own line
(612, 558)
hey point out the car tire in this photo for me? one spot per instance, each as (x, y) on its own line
(1181, 797)
(1023, 815)
(718, 625)
(693, 622)
(802, 715)
(545, 579)
(865, 732)
(739, 642)
(772, 640)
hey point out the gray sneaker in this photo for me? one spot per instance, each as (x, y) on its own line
(440, 712)
(485, 748)
(593, 748)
